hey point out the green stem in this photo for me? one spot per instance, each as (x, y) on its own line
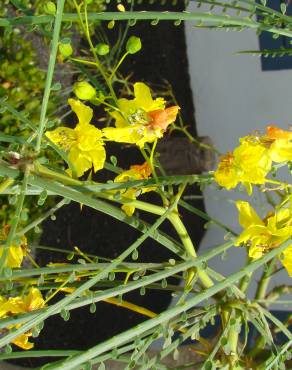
(40, 219)
(196, 141)
(50, 72)
(122, 289)
(244, 283)
(214, 19)
(188, 244)
(118, 65)
(264, 281)
(150, 163)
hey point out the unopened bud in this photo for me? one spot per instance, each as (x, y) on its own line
(50, 8)
(102, 49)
(65, 50)
(84, 91)
(133, 45)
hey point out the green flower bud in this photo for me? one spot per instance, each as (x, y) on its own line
(84, 91)
(65, 50)
(133, 45)
(111, 25)
(50, 8)
(102, 49)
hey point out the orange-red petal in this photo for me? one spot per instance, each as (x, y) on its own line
(274, 133)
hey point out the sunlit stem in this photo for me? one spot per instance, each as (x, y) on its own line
(118, 65)
(190, 249)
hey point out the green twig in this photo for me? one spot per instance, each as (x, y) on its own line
(50, 72)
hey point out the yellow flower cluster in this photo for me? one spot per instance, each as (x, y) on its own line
(17, 305)
(262, 235)
(137, 121)
(252, 160)
(136, 172)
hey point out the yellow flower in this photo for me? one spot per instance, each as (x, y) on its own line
(261, 235)
(83, 143)
(16, 305)
(249, 163)
(136, 172)
(280, 141)
(16, 252)
(142, 119)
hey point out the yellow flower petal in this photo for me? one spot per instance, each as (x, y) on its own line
(98, 158)
(120, 121)
(252, 234)
(81, 161)
(255, 251)
(62, 136)
(127, 134)
(281, 150)
(136, 172)
(83, 112)
(144, 99)
(261, 235)
(287, 259)
(130, 194)
(247, 215)
(34, 300)
(14, 257)
(252, 161)
(22, 341)
(274, 133)
(88, 137)
(225, 175)
(16, 253)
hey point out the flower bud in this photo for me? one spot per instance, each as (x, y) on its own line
(65, 50)
(50, 8)
(102, 49)
(84, 91)
(133, 45)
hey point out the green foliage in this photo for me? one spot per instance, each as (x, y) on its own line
(20, 79)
